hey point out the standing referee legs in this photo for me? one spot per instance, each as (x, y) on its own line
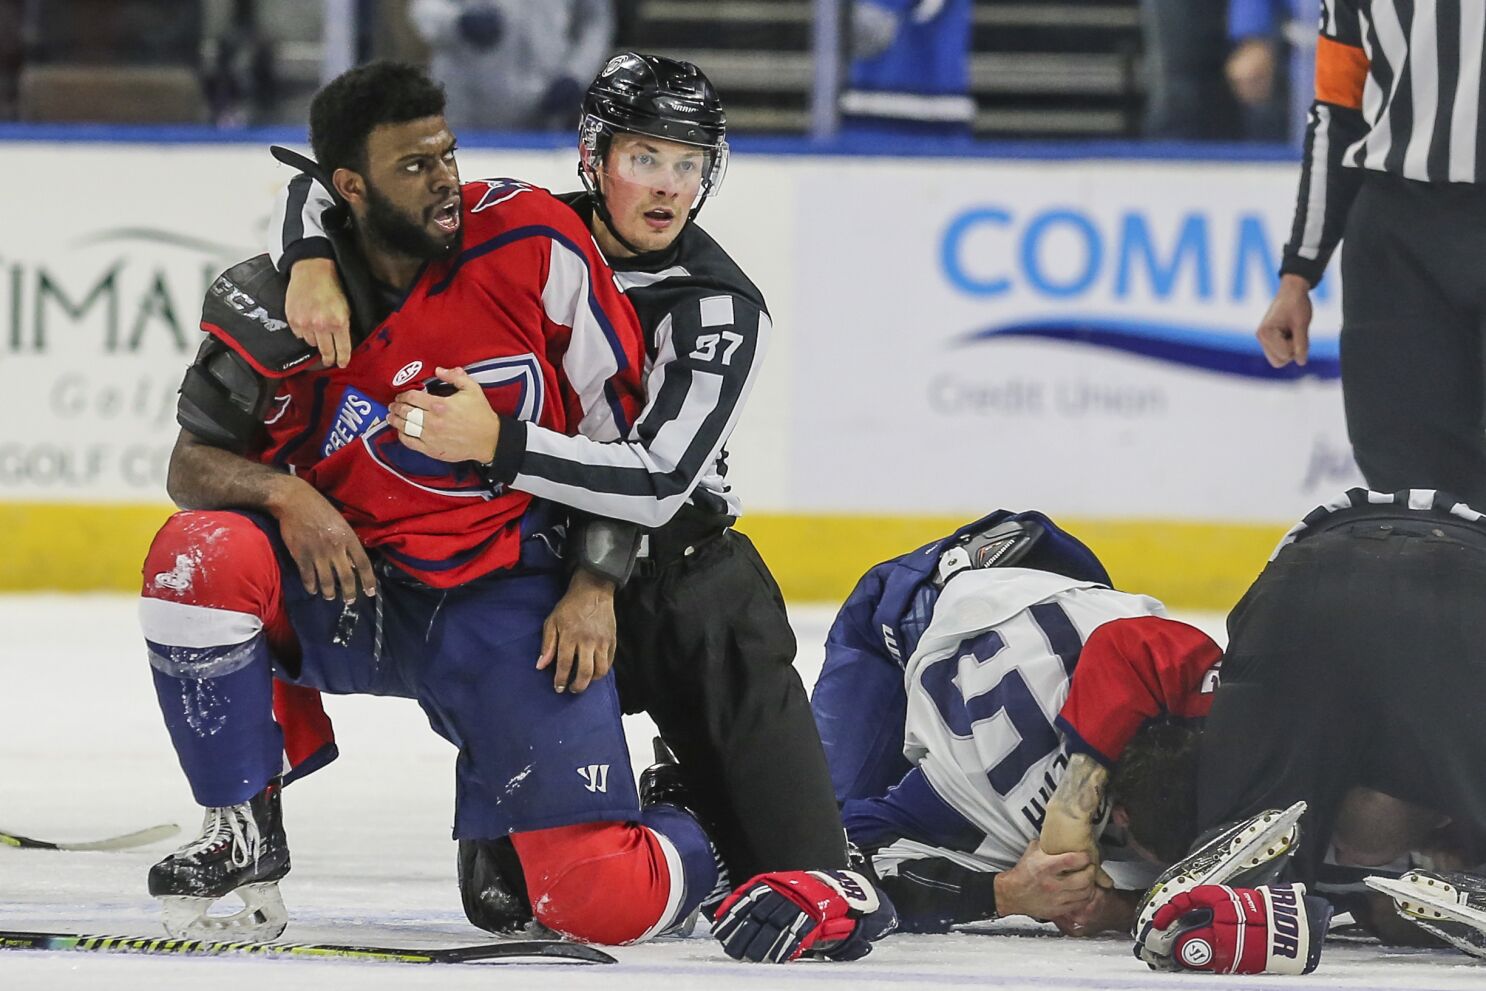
(1413, 319)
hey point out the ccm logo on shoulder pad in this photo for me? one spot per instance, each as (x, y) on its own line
(249, 307)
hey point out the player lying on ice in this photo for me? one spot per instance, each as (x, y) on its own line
(1017, 657)
(316, 547)
(718, 681)
(1311, 709)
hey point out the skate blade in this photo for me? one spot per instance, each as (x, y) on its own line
(1421, 897)
(1262, 840)
(261, 918)
(1437, 907)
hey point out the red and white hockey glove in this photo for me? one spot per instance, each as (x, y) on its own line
(1274, 929)
(777, 917)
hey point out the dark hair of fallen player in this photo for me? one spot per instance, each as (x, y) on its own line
(353, 105)
(1156, 782)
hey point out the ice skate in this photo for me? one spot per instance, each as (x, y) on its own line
(662, 784)
(1448, 904)
(241, 851)
(1246, 854)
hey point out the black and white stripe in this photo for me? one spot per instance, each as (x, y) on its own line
(1420, 116)
(1409, 500)
(299, 232)
(707, 329)
(705, 357)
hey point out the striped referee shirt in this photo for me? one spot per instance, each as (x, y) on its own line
(1430, 501)
(706, 330)
(1398, 90)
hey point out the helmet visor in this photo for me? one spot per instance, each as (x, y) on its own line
(692, 171)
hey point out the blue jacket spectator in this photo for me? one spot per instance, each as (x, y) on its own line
(910, 68)
(1274, 90)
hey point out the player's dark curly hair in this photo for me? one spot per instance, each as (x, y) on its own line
(354, 103)
(1156, 781)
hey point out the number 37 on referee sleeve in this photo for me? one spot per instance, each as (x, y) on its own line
(707, 346)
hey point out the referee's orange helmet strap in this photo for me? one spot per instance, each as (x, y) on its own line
(1341, 72)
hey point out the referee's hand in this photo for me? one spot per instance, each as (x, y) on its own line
(1285, 331)
(317, 310)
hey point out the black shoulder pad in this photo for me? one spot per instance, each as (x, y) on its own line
(244, 309)
(222, 398)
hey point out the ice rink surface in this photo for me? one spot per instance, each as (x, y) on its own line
(83, 754)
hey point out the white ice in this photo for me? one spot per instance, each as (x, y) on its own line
(83, 754)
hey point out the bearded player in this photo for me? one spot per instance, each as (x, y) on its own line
(318, 548)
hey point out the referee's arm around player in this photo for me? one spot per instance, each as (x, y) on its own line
(1392, 163)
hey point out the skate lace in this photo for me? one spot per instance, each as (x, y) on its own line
(233, 823)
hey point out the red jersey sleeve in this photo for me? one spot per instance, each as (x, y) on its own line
(1132, 670)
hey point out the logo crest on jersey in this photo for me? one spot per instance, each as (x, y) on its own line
(405, 373)
(595, 777)
(497, 191)
(513, 385)
(357, 414)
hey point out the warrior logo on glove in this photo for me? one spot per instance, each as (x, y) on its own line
(1272, 929)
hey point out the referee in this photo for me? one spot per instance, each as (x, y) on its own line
(1393, 162)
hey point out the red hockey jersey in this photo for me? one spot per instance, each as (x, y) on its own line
(531, 311)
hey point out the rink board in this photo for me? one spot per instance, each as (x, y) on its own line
(952, 335)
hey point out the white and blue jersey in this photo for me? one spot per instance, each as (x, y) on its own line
(985, 687)
(922, 78)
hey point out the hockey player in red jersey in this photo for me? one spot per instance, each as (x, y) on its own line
(719, 683)
(316, 548)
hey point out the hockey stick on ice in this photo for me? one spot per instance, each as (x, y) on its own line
(142, 837)
(518, 951)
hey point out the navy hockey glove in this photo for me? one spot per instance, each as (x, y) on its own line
(777, 917)
(1273, 929)
(482, 27)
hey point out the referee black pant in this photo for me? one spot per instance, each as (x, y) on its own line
(1413, 319)
(1357, 659)
(705, 647)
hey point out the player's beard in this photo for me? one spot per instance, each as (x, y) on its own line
(390, 226)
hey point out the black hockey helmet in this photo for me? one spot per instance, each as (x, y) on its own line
(663, 97)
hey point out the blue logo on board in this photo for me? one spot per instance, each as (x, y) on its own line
(1065, 255)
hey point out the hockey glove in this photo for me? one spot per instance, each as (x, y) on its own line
(777, 917)
(1274, 929)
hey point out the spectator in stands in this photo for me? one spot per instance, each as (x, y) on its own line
(1185, 43)
(515, 64)
(1271, 65)
(133, 32)
(909, 68)
(10, 56)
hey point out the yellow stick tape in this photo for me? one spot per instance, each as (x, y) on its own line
(816, 558)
